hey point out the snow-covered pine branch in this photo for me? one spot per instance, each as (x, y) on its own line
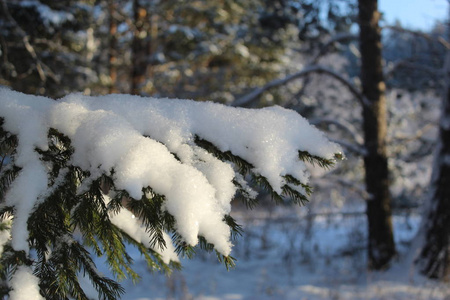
(97, 173)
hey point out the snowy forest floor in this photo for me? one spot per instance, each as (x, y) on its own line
(287, 254)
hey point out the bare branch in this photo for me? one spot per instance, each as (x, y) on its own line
(253, 96)
(343, 125)
(408, 63)
(444, 42)
(310, 68)
(421, 34)
(340, 37)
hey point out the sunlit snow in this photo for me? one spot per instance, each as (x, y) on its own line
(151, 142)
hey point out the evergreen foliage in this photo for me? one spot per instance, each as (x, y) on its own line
(68, 227)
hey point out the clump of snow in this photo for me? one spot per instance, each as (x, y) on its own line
(25, 117)
(23, 195)
(151, 142)
(24, 285)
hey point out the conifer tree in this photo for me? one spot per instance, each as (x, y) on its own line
(74, 173)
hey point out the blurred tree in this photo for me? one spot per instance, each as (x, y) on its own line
(434, 258)
(214, 50)
(414, 59)
(140, 46)
(381, 244)
(46, 46)
(112, 50)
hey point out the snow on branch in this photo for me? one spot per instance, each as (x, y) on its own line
(126, 168)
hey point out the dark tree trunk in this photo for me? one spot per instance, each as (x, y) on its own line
(434, 258)
(381, 247)
(112, 55)
(140, 48)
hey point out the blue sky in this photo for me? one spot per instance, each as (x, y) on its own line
(415, 14)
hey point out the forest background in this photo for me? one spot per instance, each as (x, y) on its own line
(303, 55)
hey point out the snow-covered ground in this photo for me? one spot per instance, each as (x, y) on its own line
(284, 257)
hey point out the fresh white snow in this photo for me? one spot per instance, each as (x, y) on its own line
(150, 142)
(24, 285)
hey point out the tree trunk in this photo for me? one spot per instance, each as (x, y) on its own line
(381, 246)
(140, 48)
(434, 259)
(112, 55)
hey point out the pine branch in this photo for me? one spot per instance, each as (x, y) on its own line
(243, 167)
(296, 196)
(320, 161)
(181, 247)
(59, 274)
(6, 179)
(10, 260)
(153, 259)
(246, 169)
(148, 210)
(229, 261)
(110, 238)
(50, 227)
(249, 200)
(236, 229)
(8, 144)
(59, 153)
(263, 183)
